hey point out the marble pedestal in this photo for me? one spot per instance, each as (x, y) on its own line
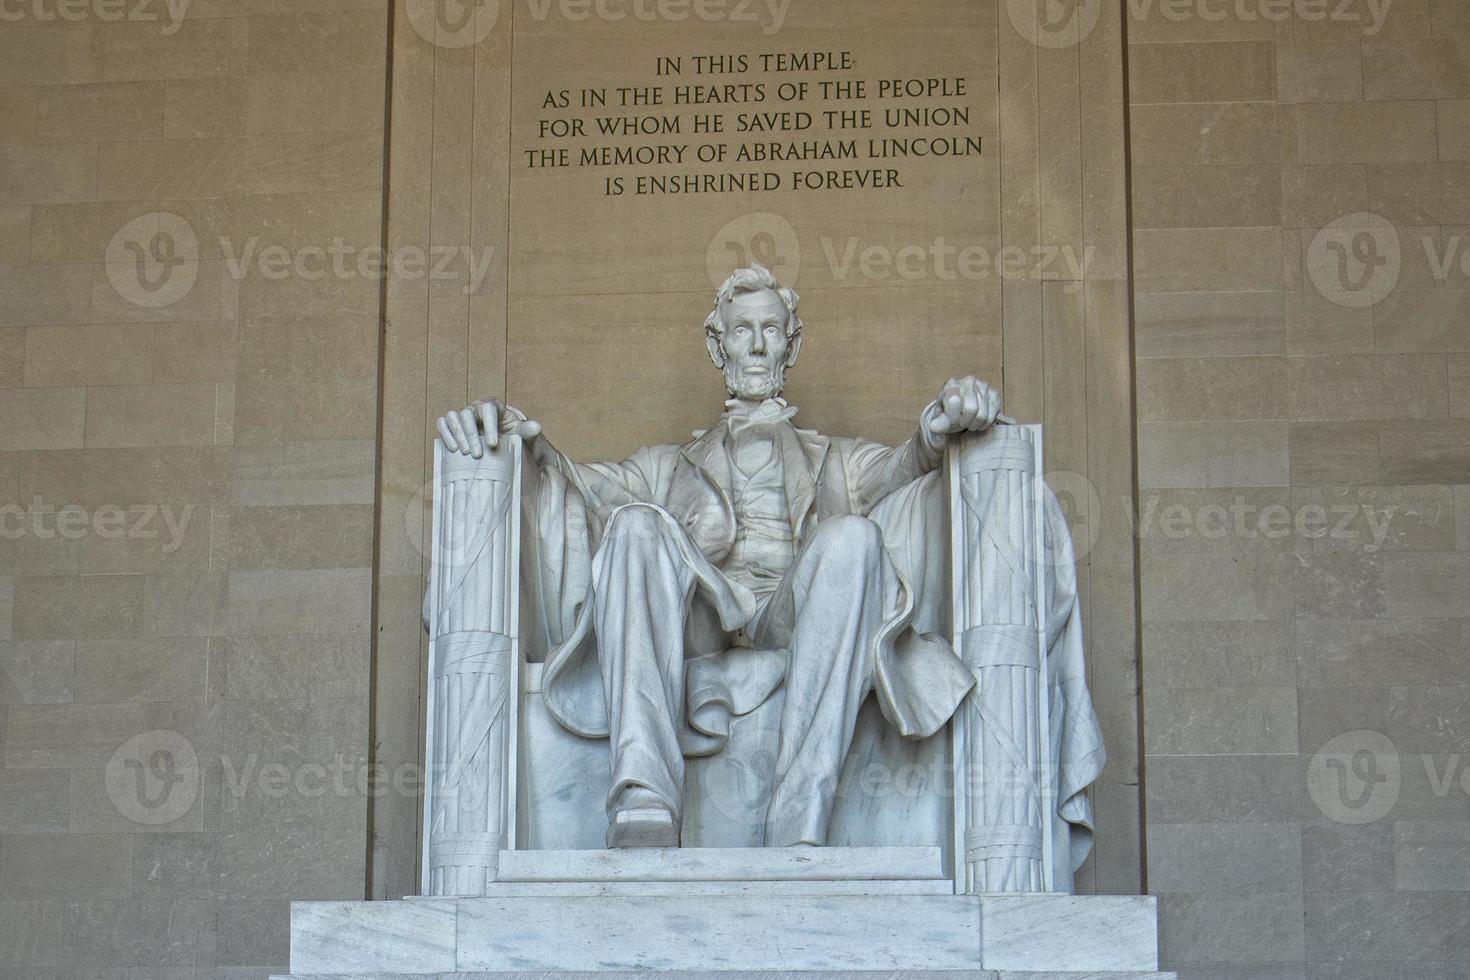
(798, 912)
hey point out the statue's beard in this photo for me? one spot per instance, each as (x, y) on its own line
(754, 387)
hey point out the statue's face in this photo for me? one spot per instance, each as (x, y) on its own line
(754, 346)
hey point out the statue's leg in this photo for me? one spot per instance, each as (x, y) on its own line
(642, 584)
(833, 599)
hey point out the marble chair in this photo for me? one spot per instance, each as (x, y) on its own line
(506, 779)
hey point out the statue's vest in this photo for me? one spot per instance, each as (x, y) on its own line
(763, 548)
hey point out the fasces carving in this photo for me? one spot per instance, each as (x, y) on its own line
(471, 611)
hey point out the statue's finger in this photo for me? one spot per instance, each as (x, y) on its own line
(970, 408)
(471, 427)
(459, 444)
(954, 405)
(939, 424)
(465, 437)
(447, 437)
(528, 429)
(492, 423)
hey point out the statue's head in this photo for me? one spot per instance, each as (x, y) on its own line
(753, 333)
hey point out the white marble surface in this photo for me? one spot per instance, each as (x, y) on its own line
(848, 933)
(1066, 932)
(333, 937)
(725, 864)
(749, 975)
(564, 777)
(587, 889)
(682, 928)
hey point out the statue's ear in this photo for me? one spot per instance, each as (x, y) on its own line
(716, 352)
(793, 347)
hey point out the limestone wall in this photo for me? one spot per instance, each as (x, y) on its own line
(1301, 431)
(187, 471)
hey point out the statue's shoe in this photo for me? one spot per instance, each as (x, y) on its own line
(644, 826)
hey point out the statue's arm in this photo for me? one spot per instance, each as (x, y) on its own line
(605, 486)
(478, 427)
(874, 471)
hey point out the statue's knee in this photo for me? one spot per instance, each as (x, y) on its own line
(851, 536)
(637, 522)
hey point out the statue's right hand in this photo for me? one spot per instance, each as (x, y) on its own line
(474, 428)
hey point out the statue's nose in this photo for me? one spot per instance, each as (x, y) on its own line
(758, 343)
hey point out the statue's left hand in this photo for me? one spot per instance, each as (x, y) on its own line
(965, 404)
(477, 428)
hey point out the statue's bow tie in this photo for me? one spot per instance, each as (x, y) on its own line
(741, 415)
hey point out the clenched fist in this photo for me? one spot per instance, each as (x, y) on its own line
(474, 428)
(964, 405)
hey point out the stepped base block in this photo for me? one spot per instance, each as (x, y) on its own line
(737, 930)
(715, 864)
(752, 975)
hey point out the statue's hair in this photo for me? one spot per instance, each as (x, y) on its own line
(752, 280)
